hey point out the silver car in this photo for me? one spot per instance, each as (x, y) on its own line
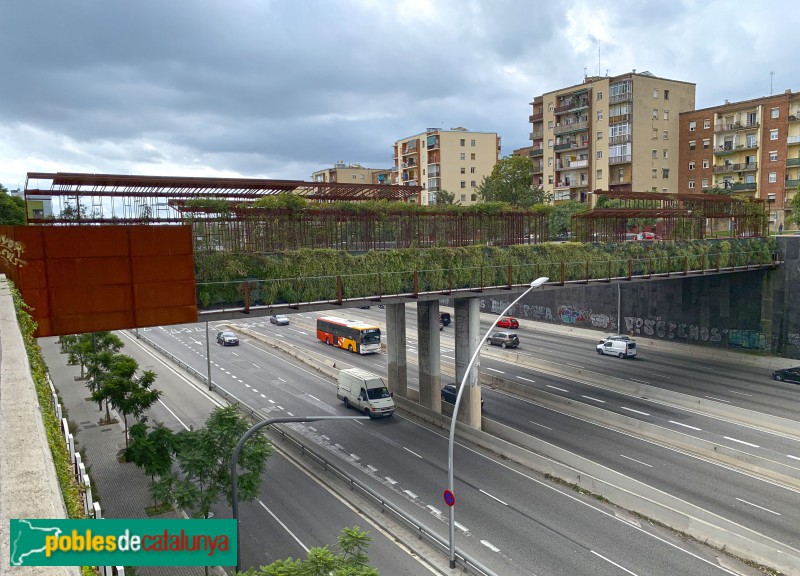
(279, 319)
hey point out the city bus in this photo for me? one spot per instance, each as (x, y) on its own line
(352, 335)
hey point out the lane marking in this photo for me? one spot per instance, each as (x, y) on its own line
(741, 442)
(434, 510)
(272, 401)
(263, 395)
(390, 480)
(793, 457)
(760, 507)
(461, 527)
(355, 456)
(740, 393)
(636, 411)
(495, 370)
(492, 497)
(281, 379)
(410, 494)
(527, 379)
(257, 366)
(614, 563)
(718, 399)
(490, 546)
(637, 461)
(448, 357)
(315, 398)
(372, 468)
(595, 399)
(537, 424)
(684, 425)
(296, 539)
(639, 381)
(557, 388)
(173, 414)
(406, 449)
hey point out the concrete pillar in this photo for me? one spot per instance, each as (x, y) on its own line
(468, 335)
(396, 349)
(429, 355)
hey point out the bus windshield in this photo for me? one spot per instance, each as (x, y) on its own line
(371, 336)
(378, 393)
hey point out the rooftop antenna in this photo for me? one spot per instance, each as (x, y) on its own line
(598, 56)
(771, 74)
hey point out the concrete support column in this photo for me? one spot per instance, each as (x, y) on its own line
(396, 349)
(429, 355)
(468, 335)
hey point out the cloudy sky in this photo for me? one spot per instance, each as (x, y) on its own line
(281, 88)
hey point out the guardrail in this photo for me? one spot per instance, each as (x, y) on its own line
(421, 530)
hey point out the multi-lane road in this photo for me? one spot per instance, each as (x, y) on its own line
(511, 519)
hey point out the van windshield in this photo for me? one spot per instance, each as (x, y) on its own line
(378, 393)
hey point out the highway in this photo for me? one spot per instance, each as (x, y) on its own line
(510, 519)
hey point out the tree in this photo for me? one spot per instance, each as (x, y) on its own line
(510, 181)
(128, 394)
(151, 451)
(204, 459)
(560, 218)
(79, 351)
(794, 203)
(443, 197)
(12, 209)
(351, 561)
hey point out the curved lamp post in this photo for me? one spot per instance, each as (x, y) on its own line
(235, 474)
(535, 284)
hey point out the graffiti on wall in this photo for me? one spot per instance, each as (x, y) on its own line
(11, 251)
(671, 330)
(794, 340)
(573, 314)
(749, 339)
(537, 312)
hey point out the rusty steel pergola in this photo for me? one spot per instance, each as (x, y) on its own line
(124, 199)
(681, 216)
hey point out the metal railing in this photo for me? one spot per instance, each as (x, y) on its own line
(420, 529)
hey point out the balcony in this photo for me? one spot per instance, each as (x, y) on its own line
(723, 127)
(749, 167)
(794, 118)
(620, 118)
(727, 148)
(792, 184)
(537, 170)
(573, 127)
(625, 159)
(571, 145)
(537, 135)
(536, 117)
(793, 161)
(536, 153)
(744, 187)
(623, 139)
(576, 164)
(573, 104)
(627, 97)
(793, 140)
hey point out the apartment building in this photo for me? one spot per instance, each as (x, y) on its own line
(454, 160)
(611, 133)
(751, 148)
(351, 174)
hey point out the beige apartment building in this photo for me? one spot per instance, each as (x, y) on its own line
(610, 133)
(751, 148)
(454, 160)
(351, 174)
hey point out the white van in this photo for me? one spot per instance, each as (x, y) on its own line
(621, 346)
(365, 391)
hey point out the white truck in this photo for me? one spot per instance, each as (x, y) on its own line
(365, 391)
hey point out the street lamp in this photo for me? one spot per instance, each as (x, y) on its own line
(535, 284)
(235, 474)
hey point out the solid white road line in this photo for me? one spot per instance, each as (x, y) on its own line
(637, 461)
(314, 397)
(492, 497)
(684, 425)
(760, 507)
(537, 424)
(636, 411)
(296, 539)
(793, 457)
(614, 563)
(414, 453)
(173, 414)
(741, 442)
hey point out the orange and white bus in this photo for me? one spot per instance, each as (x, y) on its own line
(352, 335)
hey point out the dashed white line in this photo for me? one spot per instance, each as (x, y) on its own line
(414, 453)
(760, 507)
(257, 366)
(636, 411)
(390, 480)
(490, 546)
(639, 381)
(526, 379)
(635, 460)
(740, 393)
(263, 395)
(315, 398)
(281, 379)
(279, 407)
(355, 456)
(492, 497)
(461, 527)
(614, 563)
(434, 510)
(793, 457)
(289, 413)
(537, 424)
(718, 399)
(684, 425)
(410, 494)
(272, 401)
(448, 357)
(741, 442)
(557, 388)
(246, 384)
(595, 399)
(371, 467)
(494, 370)
(254, 390)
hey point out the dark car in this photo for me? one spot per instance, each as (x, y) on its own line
(449, 392)
(508, 322)
(227, 338)
(787, 375)
(444, 318)
(504, 339)
(279, 319)
(564, 236)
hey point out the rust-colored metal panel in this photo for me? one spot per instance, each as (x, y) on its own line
(88, 278)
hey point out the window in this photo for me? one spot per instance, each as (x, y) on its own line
(463, 170)
(463, 156)
(463, 141)
(666, 154)
(654, 172)
(705, 164)
(472, 183)
(655, 113)
(665, 172)
(666, 134)
(665, 190)
(472, 170)
(706, 124)
(463, 183)
(550, 106)
(599, 96)
(655, 133)
(599, 175)
(691, 165)
(550, 125)
(550, 143)
(354, 176)
(773, 134)
(692, 144)
(463, 197)
(774, 113)
(472, 156)
(654, 154)
(550, 161)
(751, 140)
(550, 179)
(599, 135)
(773, 156)
(666, 114)
(472, 143)
(773, 177)
(691, 184)
(599, 154)
(599, 114)
(474, 197)
(706, 143)
(666, 94)
(692, 126)
(655, 92)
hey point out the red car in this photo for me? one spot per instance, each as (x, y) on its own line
(508, 322)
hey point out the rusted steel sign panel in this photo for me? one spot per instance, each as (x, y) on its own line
(83, 279)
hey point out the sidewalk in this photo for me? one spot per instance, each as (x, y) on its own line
(123, 490)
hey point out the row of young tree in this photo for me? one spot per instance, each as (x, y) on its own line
(191, 468)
